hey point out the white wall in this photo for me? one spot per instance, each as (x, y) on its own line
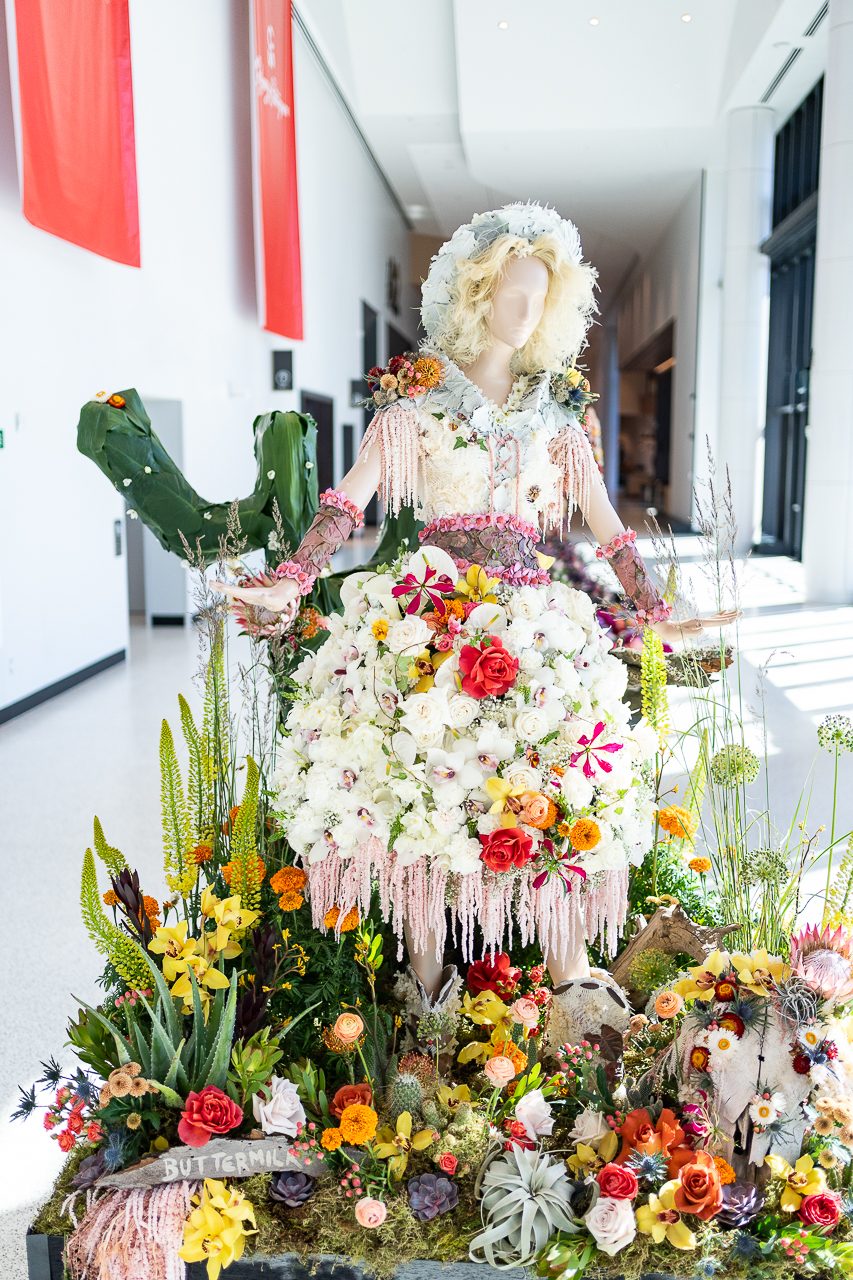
(663, 288)
(184, 326)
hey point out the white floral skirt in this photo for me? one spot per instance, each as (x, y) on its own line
(459, 747)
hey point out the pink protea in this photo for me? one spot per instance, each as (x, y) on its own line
(824, 959)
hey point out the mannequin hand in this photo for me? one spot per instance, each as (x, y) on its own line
(688, 628)
(282, 597)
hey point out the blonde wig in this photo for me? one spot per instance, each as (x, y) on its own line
(569, 305)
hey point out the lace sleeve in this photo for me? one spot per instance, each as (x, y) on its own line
(397, 431)
(571, 451)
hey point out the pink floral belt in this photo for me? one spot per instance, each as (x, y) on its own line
(504, 545)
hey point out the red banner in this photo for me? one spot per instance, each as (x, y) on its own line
(277, 260)
(74, 117)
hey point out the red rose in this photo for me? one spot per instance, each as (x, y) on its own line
(487, 669)
(210, 1111)
(494, 973)
(447, 1162)
(821, 1210)
(505, 848)
(66, 1140)
(802, 1064)
(615, 1181)
(517, 1136)
(350, 1095)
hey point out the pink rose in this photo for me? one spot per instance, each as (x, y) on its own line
(370, 1213)
(447, 1162)
(525, 1012)
(499, 1070)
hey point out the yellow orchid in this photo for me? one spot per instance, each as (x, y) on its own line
(661, 1220)
(499, 792)
(396, 1145)
(702, 981)
(803, 1179)
(574, 377)
(589, 1159)
(486, 1010)
(544, 561)
(452, 1099)
(208, 902)
(230, 919)
(477, 585)
(758, 971)
(424, 667)
(208, 978)
(215, 1232)
(171, 942)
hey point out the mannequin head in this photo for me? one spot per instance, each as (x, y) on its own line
(528, 296)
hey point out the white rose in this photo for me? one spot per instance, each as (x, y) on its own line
(525, 603)
(524, 777)
(409, 635)
(590, 1125)
(425, 717)
(282, 1112)
(461, 710)
(611, 1224)
(534, 1112)
(531, 724)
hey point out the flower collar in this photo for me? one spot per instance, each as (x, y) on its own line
(462, 399)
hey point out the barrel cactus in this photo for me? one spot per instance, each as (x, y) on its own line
(526, 1197)
(406, 1094)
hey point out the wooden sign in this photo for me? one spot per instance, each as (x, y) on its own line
(218, 1158)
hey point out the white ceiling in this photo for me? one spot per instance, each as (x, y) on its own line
(611, 123)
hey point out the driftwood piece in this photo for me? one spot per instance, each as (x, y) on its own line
(672, 931)
(218, 1158)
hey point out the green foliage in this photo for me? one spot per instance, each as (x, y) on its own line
(215, 727)
(252, 1064)
(694, 792)
(310, 1080)
(114, 861)
(93, 1043)
(128, 960)
(180, 872)
(244, 841)
(201, 802)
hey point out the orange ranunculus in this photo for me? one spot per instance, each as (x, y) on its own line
(640, 1133)
(288, 880)
(349, 1027)
(536, 810)
(348, 1096)
(699, 1190)
(668, 1004)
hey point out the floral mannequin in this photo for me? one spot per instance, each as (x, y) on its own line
(506, 307)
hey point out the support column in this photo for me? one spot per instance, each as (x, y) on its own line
(828, 516)
(609, 390)
(746, 283)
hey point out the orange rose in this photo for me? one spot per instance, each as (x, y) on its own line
(536, 810)
(668, 1004)
(640, 1133)
(349, 1095)
(348, 1028)
(699, 1190)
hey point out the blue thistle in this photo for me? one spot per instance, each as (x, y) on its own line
(85, 1089)
(707, 1267)
(115, 1151)
(651, 1170)
(745, 1247)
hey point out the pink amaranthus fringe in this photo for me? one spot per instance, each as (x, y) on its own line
(397, 430)
(132, 1234)
(504, 907)
(572, 453)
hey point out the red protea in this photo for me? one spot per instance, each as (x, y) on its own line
(823, 958)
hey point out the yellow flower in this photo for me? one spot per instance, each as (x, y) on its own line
(703, 977)
(486, 1010)
(424, 667)
(700, 865)
(677, 822)
(395, 1146)
(758, 971)
(171, 942)
(500, 791)
(453, 1098)
(215, 1232)
(380, 629)
(589, 1159)
(661, 1220)
(574, 377)
(208, 978)
(230, 919)
(331, 1139)
(803, 1179)
(477, 585)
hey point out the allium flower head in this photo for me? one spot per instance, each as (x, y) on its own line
(766, 866)
(734, 764)
(835, 733)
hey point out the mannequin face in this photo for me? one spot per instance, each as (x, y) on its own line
(519, 301)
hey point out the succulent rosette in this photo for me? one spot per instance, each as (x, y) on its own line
(443, 745)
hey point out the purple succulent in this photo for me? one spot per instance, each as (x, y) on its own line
(90, 1170)
(431, 1194)
(292, 1188)
(741, 1203)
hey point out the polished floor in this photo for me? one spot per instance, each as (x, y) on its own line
(94, 750)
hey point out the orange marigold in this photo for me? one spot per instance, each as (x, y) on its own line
(700, 865)
(311, 621)
(231, 874)
(724, 1170)
(331, 1139)
(585, 834)
(509, 1049)
(288, 880)
(427, 372)
(201, 853)
(291, 901)
(111, 898)
(358, 1123)
(678, 822)
(350, 921)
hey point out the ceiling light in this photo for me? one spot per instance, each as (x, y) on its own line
(503, 26)
(593, 22)
(416, 211)
(687, 17)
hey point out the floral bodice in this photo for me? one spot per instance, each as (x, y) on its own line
(452, 451)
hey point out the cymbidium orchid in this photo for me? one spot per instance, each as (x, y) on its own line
(172, 943)
(396, 1145)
